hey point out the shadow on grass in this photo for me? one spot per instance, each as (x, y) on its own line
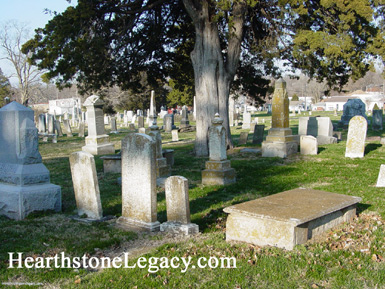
(371, 147)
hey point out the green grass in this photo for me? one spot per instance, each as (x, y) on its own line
(350, 256)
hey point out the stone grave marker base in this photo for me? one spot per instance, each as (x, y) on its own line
(218, 173)
(17, 202)
(179, 228)
(129, 224)
(289, 218)
(279, 149)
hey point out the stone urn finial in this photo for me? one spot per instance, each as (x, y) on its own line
(217, 119)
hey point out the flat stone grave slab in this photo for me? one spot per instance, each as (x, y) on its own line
(289, 218)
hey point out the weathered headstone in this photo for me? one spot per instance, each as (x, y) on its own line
(130, 115)
(144, 130)
(24, 180)
(140, 121)
(114, 128)
(42, 124)
(152, 111)
(139, 207)
(381, 177)
(246, 119)
(167, 121)
(355, 145)
(174, 135)
(97, 141)
(67, 128)
(280, 141)
(162, 168)
(243, 138)
(86, 185)
(259, 131)
(81, 129)
(51, 124)
(351, 108)
(308, 145)
(178, 207)
(319, 127)
(218, 170)
(377, 119)
(58, 128)
(184, 122)
(231, 110)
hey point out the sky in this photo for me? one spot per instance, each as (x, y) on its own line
(30, 12)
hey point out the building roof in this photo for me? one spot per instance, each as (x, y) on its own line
(338, 98)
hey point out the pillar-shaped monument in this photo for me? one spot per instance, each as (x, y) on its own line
(24, 180)
(152, 113)
(139, 209)
(279, 141)
(97, 141)
(218, 170)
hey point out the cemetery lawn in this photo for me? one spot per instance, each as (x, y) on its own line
(350, 256)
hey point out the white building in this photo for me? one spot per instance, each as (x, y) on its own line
(71, 106)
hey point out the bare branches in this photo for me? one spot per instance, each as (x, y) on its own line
(12, 37)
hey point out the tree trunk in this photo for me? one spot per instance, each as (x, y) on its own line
(212, 75)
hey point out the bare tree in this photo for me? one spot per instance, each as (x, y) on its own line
(12, 37)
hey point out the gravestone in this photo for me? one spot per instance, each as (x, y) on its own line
(152, 112)
(174, 135)
(319, 127)
(351, 108)
(140, 121)
(178, 207)
(218, 170)
(67, 128)
(81, 129)
(131, 126)
(381, 177)
(114, 128)
(377, 119)
(58, 128)
(130, 115)
(355, 145)
(289, 218)
(7, 100)
(139, 199)
(42, 124)
(246, 119)
(259, 131)
(308, 145)
(97, 141)
(106, 119)
(86, 185)
(144, 130)
(231, 111)
(279, 141)
(167, 120)
(24, 180)
(184, 122)
(162, 168)
(243, 138)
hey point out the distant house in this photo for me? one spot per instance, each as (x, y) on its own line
(335, 102)
(370, 99)
(65, 105)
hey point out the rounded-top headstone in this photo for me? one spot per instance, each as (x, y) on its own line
(94, 100)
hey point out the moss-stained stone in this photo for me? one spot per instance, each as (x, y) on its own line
(355, 145)
(288, 218)
(279, 141)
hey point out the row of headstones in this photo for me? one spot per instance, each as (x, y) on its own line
(139, 158)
